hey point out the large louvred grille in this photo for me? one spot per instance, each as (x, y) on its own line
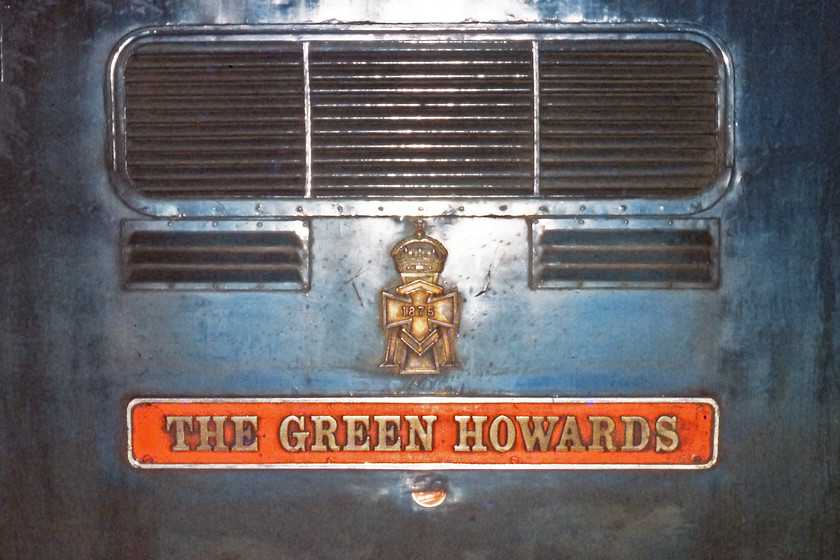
(419, 119)
(625, 119)
(215, 120)
(614, 254)
(607, 118)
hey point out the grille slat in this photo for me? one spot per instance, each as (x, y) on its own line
(231, 187)
(208, 120)
(431, 113)
(199, 78)
(230, 135)
(191, 275)
(200, 162)
(234, 91)
(620, 73)
(624, 277)
(647, 130)
(393, 133)
(209, 101)
(424, 97)
(176, 174)
(557, 144)
(617, 256)
(618, 158)
(624, 115)
(631, 170)
(210, 148)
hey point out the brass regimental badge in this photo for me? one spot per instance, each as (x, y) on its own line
(419, 319)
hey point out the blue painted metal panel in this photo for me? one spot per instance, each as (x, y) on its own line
(75, 347)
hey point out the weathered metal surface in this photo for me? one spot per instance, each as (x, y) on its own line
(76, 348)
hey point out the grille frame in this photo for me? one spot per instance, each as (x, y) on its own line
(307, 205)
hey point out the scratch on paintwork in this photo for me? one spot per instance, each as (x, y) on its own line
(486, 286)
(494, 262)
(359, 273)
(358, 295)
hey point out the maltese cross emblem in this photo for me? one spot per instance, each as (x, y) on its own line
(420, 318)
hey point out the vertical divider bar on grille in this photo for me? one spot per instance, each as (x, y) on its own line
(215, 120)
(422, 118)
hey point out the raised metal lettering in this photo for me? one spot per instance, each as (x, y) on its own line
(298, 436)
(388, 437)
(464, 433)
(570, 438)
(357, 433)
(180, 422)
(510, 433)
(324, 437)
(602, 429)
(630, 423)
(540, 434)
(244, 426)
(218, 433)
(417, 431)
(667, 439)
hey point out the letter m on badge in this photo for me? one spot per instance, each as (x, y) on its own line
(420, 319)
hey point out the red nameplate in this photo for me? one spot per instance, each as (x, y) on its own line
(423, 433)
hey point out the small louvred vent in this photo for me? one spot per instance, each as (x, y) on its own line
(225, 256)
(615, 254)
(215, 120)
(628, 118)
(422, 118)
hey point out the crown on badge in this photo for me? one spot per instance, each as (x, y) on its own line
(419, 254)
